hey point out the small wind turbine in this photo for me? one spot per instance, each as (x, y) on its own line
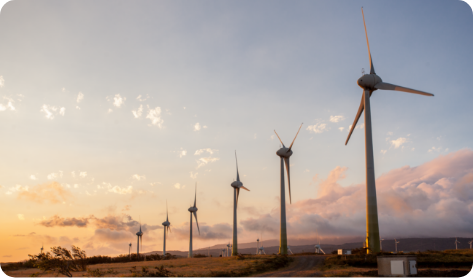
(370, 83)
(381, 244)
(228, 249)
(261, 249)
(167, 228)
(140, 238)
(257, 246)
(284, 153)
(129, 250)
(193, 210)
(289, 250)
(456, 243)
(236, 193)
(42, 248)
(223, 252)
(470, 242)
(396, 242)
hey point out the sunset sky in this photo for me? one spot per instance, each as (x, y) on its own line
(110, 108)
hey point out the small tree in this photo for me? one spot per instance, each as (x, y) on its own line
(61, 260)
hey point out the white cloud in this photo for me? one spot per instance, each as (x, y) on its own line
(177, 186)
(272, 137)
(336, 119)
(55, 175)
(358, 126)
(194, 175)
(341, 128)
(398, 142)
(51, 111)
(317, 128)
(154, 183)
(138, 177)
(209, 150)
(80, 97)
(17, 188)
(21, 217)
(155, 116)
(197, 127)
(141, 98)
(182, 152)
(306, 171)
(119, 190)
(390, 133)
(118, 100)
(82, 174)
(205, 160)
(384, 151)
(33, 177)
(109, 110)
(434, 149)
(2, 82)
(137, 113)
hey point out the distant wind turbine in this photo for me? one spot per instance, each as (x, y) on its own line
(470, 242)
(193, 210)
(236, 193)
(140, 238)
(456, 243)
(42, 248)
(257, 246)
(284, 153)
(396, 242)
(370, 83)
(167, 228)
(381, 244)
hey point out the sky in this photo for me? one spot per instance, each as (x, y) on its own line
(110, 109)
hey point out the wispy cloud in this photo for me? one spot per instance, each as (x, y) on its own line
(21, 216)
(138, 177)
(51, 111)
(118, 100)
(336, 119)
(398, 142)
(80, 97)
(33, 177)
(2, 82)
(341, 128)
(142, 98)
(209, 150)
(194, 175)
(137, 113)
(155, 117)
(317, 128)
(384, 151)
(182, 152)
(53, 193)
(205, 160)
(197, 127)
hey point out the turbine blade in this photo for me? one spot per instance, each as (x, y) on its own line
(238, 195)
(367, 42)
(238, 175)
(295, 138)
(286, 160)
(195, 197)
(392, 87)
(357, 117)
(167, 215)
(197, 222)
(245, 188)
(279, 138)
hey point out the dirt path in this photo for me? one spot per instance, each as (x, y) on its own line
(303, 266)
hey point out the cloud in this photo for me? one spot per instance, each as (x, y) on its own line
(209, 150)
(51, 111)
(141, 98)
(197, 127)
(390, 133)
(155, 117)
(398, 142)
(33, 177)
(137, 113)
(53, 193)
(21, 217)
(341, 128)
(121, 190)
(80, 97)
(57, 221)
(83, 174)
(53, 176)
(182, 152)
(217, 231)
(412, 201)
(194, 175)
(205, 160)
(336, 119)
(177, 186)
(154, 183)
(9, 105)
(118, 100)
(317, 128)
(17, 188)
(384, 151)
(2, 82)
(138, 177)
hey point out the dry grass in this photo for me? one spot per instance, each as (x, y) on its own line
(195, 267)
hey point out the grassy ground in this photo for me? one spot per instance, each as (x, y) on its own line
(231, 266)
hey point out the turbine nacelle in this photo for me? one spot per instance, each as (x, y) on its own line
(193, 209)
(140, 233)
(369, 81)
(237, 184)
(166, 223)
(284, 152)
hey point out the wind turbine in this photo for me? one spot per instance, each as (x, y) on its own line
(42, 248)
(396, 242)
(140, 237)
(193, 210)
(456, 243)
(261, 249)
(236, 193)
(257, 246)
(284, 153)
(129, 250)
(470, 242)
(370, 83)
(167, 228)
(289, 249)
(381, 244)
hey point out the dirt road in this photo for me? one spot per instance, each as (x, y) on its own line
(303, 266)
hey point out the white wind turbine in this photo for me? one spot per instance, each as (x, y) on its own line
(284, 153)
(456, 243)
(261, 249)
(381, 244)
(167, 228)
(370, 83)
(470, 242)
(396, 242)
(289, 249)
(257, 246)
(223, 252)
(236, 193)
(193, 210)
(140, 238)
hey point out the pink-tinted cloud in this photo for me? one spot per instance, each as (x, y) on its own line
(434, 199)
(53, 192)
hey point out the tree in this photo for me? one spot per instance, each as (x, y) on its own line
(61, 260)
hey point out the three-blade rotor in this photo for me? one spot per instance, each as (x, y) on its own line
(372, 82)
(286, 154)
(238, 184)
(194, 209)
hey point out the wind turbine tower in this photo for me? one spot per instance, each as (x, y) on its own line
(129, 250)
(167, 228)
(284, 153)
(257, 246)
(193, 210)
(236, 193)
(140, 238)
(42, 248)
(370, 83)
(381, 244)
(470, 242)
(396, 242)
(456, 243)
